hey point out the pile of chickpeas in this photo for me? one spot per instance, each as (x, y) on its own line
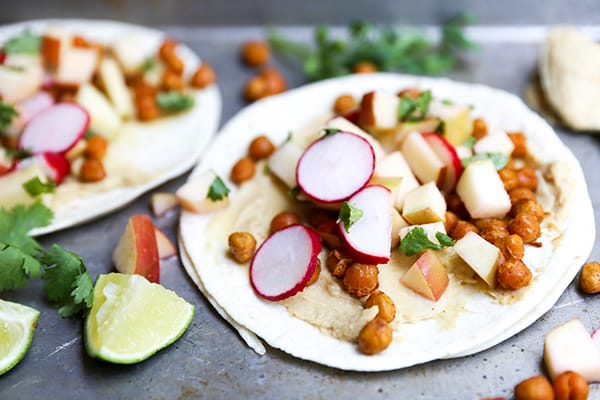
(567, 386)
(268, 80)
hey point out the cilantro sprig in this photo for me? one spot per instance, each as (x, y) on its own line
(7, 113)
(500, 160)
(35, 187)
(172, 101)
(217, 190)
(26, 43)
(417, 241)
(349, 215)
(413, 110)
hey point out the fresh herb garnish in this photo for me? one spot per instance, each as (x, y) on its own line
(500, 160)
(417, 241)
(330, 131)
(349, 214)
(385, 47)
(7, 113)
(148, 64)
(174, 101)
(410, 109)
(27, 43)
(217, 190)
(88, 134)
(35, 187)
(440, 129)
(18, 154)
(447, 102)
(469, 142)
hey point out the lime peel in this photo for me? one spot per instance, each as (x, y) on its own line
(17, 325)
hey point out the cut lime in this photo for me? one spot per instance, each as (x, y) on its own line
(131, 318)
(17, 324)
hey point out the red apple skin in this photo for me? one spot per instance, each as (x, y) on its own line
(143, 250)
(435, 274)
(366, 116)
(447, 153)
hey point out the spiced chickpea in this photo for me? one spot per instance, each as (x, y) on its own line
(174, 63)
(255, 53)
(509, 178)
(570, 386)
(344, 103)
(274, 81)
(283, 220)
(462, 228)
(513, 244)
(205, 75)
(450, 221)
(146, 108)
(535, 388)
(337, 263)
(361, 279)
(375, 336)
(142, 88)
(527, 178)
(513, 274)
(243, 170)
(479, 128)
(81, 42)
(255, 88)
(316, 274)
(364, 67)
(525, 225)
(386, 306)
(521, 193)
(95, 147)
(495, 233)
(520, 142)
(92, 170)
(167, 48)
(589, 278)
(529, 207)
(241, 246)
(172, 81)
(261, 147)
(456, 205)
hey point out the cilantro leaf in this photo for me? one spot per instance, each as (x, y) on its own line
(469, 142)
(417, 241)
(217, 190)
(349, 214)
(16, 224)
(27, 43)
(12, 273)
(36, 187)
(174, 101)
(441, 128)
(410, 109)
(499, 159)
(148, 64)
(330, 131)
(7, 113)
(444, 239)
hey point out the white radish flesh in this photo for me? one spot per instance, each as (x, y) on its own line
(28, 109)
(56, 129)
(368, 239)
(284, 263)
(335, 167)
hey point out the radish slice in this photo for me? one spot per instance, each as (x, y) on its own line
(54, 165)
(369, 238)
(56, 129)
(447, 153)
(335, 167)
(284, 263)
(28, 109)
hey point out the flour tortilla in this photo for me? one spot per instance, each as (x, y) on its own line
(483, 323)
(169, 146)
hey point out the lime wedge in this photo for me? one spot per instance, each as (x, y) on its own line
(17, 324)
(131, 318)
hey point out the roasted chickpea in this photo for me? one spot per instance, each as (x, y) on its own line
(527, 178)
(589, 279)
(571, 386)
(493, 230)
(529, 207)
(513, 274)
(509, 178)
(92, 170)
(274, 81)
(283, 220)
(513, 244)
(243, 170)
(456, 205)
(521, 193)
(241, 246)
(172, 81)
(261, 147)
(364, 67)
(205, 75)
(146, 108)
(167, 48)
(526, 226)
(534, 388)
(520, 142)
(141, 88)
(337, 263)
(479, 128)
(255, 53)
(344, 103)
(375, 336)
(489, 223)
(462, 228)
(81, 42)
(387, 308)
(255, 88)
(95, 147)
(315, 274)
(174, 63)
(450, 221)
(361, 279)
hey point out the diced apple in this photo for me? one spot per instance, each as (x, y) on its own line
(283, 162)
(343, 124)
(161, 203)
(430, 229)
(12, 192)
(446, 152)
(479, 254)
(423, 161)
(131, 52)
(114, 84)
(427, 276)
(17, 84)
(393, 165)
(137, 251)
(496, 141)
(569, 347)
(393, 138)
(6, 161)
(463, 151)
(77, 65)
(104, 120)
(424, 204)
(378, 109)
(482, 190)
(164, 246)
(193, 196)
(458, 125)
(398, 223)
(54, 42)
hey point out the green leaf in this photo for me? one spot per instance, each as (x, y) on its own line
(469, 142)
(149, 64)
(444, 239)
(413, 110)
(217, 190)
(35, 187)
(330, 131)
(27, 43)
(349, 214)
(7, 113)
(417, 241)
(12, 272)
(16, 224)
(441, 128)
(500, 160)
(174, 101)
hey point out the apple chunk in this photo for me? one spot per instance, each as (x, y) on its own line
(194, 196)
(282, 163)
(424, 204)
(479, 254)
(113, 81)
(137, 252)
(458, 125)
(427, 276)
(378, 109)
(104, 119)
(162, 202)
(497, 141)
(423, 160)
(569, 347)
(394, 166)
(165, 247)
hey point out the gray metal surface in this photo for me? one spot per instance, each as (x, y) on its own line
(210, 361)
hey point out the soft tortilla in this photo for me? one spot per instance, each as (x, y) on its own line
(169, 148)
(482, 324)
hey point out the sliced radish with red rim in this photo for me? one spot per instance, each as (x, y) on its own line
(447, 153)
(55, 166)
(285, 262)
(335, 167)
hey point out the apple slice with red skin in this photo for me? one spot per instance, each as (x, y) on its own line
(335, 167)
(369, 238)
(427, 276)
(165, 247)
(137, 251)
(285, 262)
(447, 153)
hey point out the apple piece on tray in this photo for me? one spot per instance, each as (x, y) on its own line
(335, 167)
(365, 225)
(131, 51)
(427, 276)
(113, 81)
(424, 204)
(76, 66)
(483, 257)
(137, 251)
(458, 125)
(496, 141)
(104, 119)
(285, 262)
(162, 202)
(569, 347)
(18, 84)
(482, 191)
(378, 109)
(447, 153)
(423, 160)
(203, 193)
(282, 163)
(394, 165)
(165, 247)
